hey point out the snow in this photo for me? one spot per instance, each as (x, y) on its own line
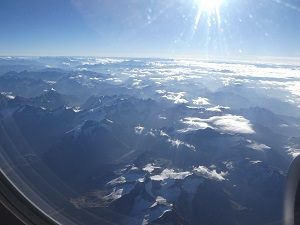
(228, 164)
(177, 143)
(210, 174)
(139, 129)
(8, 95)
(162, 117)
(150, 168)
(76, 109)
(163, 134)
(119, 180)
(170, 173)
(158, 211)
(255, 161)
(145, 221)
(114, 195)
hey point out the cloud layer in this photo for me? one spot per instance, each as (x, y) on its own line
(227, 123)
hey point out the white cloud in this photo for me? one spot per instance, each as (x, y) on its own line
(227, 123)
(160, 91)
(256, 146)
(293, 87)
(136, 82)
(176, 97)
(201, 101)
(293, 152)
(195, 123)
(231, 123)
(217, 108)
(210, 174)
(103, 61)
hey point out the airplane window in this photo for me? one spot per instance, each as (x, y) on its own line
(178, 112)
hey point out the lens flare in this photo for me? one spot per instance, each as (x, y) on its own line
(211, 8)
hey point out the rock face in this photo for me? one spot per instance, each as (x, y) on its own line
(161, 148)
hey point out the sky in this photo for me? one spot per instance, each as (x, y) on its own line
(150, 28)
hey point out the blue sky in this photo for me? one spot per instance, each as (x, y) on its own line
(168, 28)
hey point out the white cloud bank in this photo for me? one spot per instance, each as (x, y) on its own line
(232, 124)
(227, 123)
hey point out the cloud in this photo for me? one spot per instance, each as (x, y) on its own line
(210, 174)
(136, 82)
(194, 123)
(217, 108)
(227, 123)
(231, 123)
(293, 88)
(201, 101)
(293, 152)
(101, 61)
(176, 97)
(256, 146)
(160, 91)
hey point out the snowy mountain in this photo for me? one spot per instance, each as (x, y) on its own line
(150, 141)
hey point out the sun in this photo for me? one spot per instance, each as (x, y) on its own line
(210, 9)
(209, 6)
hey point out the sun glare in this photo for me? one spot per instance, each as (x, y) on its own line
(211, 8)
